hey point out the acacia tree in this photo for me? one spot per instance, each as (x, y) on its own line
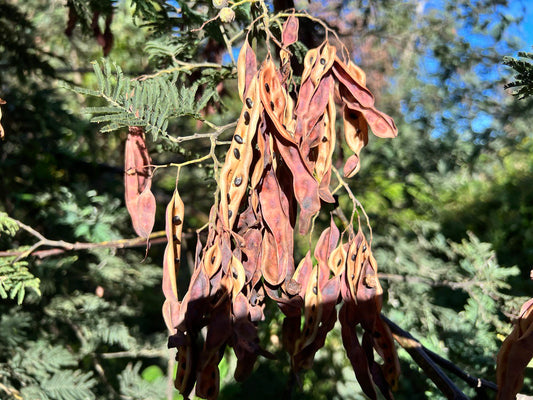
(191, 82)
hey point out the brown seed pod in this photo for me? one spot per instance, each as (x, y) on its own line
(274, 208)
(236, 169)
(274, 97)
(289, 33)
(171, 259)
(515, 354)
(246, 69)
(356, 135)
(140, 201)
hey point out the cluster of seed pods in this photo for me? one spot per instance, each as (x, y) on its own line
(276, 173)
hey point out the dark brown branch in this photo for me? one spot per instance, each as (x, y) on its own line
(471, 381)
(424, 361)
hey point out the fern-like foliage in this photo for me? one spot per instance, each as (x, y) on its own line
(134, 387)
(8, 226)
(15, 278)
(150, 103)
(523, 67)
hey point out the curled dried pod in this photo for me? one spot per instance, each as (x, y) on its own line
(323, 64)
(356, 135)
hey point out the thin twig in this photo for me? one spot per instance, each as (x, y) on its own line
(60, 246)
(146, 353)
(430, 282)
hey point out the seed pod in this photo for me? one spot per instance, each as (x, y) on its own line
(175, 211)
(304, 184)
(236, 271)
(289, 33)
(213, 259)
(356, 135)
(274, 97)
(354, 351)
(312, 311)
(384, 345)
(324, 63)
(238, 160)
(326, 147)
(185, 374)
(269, 259)
(274, 208)
(140, 201)
(358, 92)
(246, 69)
(515, 354)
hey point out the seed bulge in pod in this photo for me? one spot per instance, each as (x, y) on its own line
(237, 153)
(267, 88)
(353, 257)
(238, 139)
(249, 102)
(324, 139)
(238, 181)
(176, 220)
(272, 104)
(230, 213)
(246, 118)
(322, 61)
(315, 290)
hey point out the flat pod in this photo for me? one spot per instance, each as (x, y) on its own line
(140, 201)
(236, 169)
(381, 124)
(359, 92)
(238, 275)
(355, 352)
(337, 260)
(273, 97)
(310, 60)
(171, 261)
(323, 64)
(246, 69)
(384, 345)
(357, 73)
(303, 273)
(185, 375)
(312, 311)
(274, 208)
(269, 259)
(208, 381)
(515, 354)
(304, 184)
(213, 259)
(289, 33)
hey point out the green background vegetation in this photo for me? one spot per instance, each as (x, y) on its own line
(450, 200)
